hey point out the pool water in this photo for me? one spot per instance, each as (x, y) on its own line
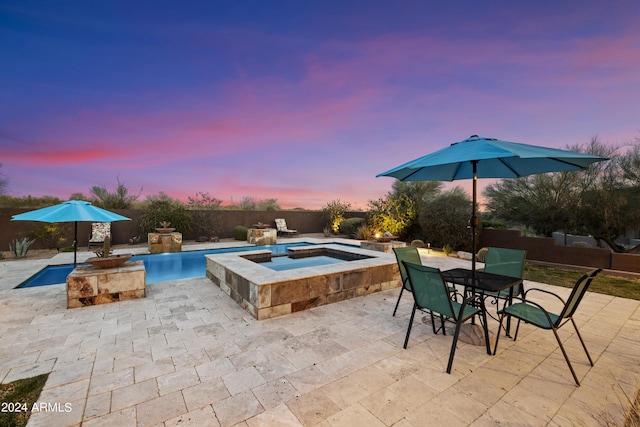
(160, 267)
(283, 263)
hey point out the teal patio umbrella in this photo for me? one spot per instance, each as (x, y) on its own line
(478, 157)
(71, 211)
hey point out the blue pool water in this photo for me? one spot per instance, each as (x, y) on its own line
(160, 267)
(283, 263)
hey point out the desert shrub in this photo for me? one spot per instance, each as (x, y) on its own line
(445, 218)
(240, 232)
(482, 255)
(350, 225)
(204, 214)
(363, 232)
(333, 212)
(447, 249)
(50, 236)
(417, 243)
(164, 209)
(487, 223)
(393, 213)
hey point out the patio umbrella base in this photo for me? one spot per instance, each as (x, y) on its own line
(474, 334)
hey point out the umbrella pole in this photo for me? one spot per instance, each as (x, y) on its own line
(75, 242)
(474, 222)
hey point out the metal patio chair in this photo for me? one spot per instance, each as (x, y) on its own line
(431, 292)
(536, 315)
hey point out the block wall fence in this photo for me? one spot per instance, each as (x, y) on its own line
(122, 231)
(538, 248)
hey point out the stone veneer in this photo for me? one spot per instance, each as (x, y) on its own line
(262, 236)
(266, 293)
(88, 285)
(164, 242)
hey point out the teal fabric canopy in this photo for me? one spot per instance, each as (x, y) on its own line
(493, 159)
(71, 211)
(478, 157)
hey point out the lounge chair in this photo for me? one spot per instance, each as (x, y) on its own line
(536, 315)
(281, 226)
(99, 232)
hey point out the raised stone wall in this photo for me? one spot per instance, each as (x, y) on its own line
(265, 293)
(87, 285)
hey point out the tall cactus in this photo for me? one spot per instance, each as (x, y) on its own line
(107, 246)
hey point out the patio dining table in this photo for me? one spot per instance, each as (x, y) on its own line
(483, 282)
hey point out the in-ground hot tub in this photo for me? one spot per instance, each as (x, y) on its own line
(267, 293)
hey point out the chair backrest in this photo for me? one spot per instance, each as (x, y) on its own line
(409, 254)
(281, 224)
(429, 289)
(507, 262)
(579, 289)
(100, 231)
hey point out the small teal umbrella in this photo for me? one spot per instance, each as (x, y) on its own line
(478, 157)
(71, 211)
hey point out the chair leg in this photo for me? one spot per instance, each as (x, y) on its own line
(515, 336)
(495, 348)
(433, 323)
(486, 331)
(444, 332)
(398, 302)
(413, 313)
(566, 357)
(582, 342)
(455, 337)
(452, 352)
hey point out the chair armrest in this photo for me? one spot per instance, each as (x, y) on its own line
(543, 291)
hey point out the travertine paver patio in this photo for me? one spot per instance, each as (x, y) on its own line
(189, 355)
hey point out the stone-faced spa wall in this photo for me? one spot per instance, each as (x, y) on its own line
(266, 293)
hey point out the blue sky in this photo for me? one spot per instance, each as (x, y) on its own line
(304, 102)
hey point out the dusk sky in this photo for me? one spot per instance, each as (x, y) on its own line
(301, 101)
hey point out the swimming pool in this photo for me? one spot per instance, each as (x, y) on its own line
(160, 267)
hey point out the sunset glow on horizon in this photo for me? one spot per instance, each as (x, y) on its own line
(303, 102)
